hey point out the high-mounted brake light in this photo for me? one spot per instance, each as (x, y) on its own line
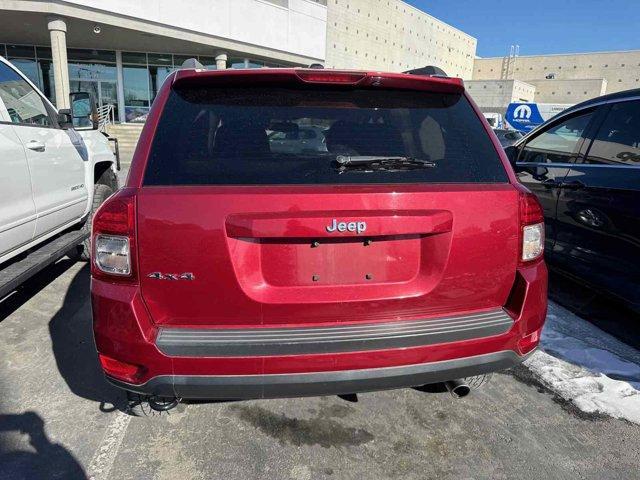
(113, 238)
(531, 227)
(331, 77)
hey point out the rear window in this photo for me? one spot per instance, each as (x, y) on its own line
(288, 136)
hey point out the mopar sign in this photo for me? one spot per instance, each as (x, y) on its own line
(524, 116)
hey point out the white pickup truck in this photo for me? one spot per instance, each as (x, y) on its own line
(56, 169)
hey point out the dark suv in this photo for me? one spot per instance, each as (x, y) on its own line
(584, 166)
(405, 254)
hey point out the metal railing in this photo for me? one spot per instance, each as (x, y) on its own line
(106, 116)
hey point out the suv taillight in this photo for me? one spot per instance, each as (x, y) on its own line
(531, 227)
(113, 238)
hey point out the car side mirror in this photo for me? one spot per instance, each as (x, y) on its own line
(540, 173)
(83, 110)
(65, 119)
(512, 153)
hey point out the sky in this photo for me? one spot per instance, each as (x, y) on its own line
(542, 26)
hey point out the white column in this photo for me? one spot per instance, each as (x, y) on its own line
(122, 117)
(58, 31)
(221, 61)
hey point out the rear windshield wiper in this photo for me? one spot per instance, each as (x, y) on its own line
(380, 162)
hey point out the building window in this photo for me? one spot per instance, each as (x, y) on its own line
(92, 71)
(87, 55)
(160, 59)
(255, 64)
(134, 57)
(237, 63)
(209, 62)
(29, 67)
(136, 92)
(157, 76)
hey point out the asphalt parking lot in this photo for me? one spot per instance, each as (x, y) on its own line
(60, 419)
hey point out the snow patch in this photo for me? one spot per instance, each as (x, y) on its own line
(587, 366)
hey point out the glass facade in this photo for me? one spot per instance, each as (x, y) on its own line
(96, 71)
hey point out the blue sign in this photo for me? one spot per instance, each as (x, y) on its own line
(524, 116)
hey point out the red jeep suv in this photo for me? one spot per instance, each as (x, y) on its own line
(294, 232)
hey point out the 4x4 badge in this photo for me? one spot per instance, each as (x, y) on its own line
(172, 276)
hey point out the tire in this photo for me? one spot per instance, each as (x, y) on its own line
(139, 406)
(477, 382)
(100, 194)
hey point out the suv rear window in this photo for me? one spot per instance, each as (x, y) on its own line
(293, 136)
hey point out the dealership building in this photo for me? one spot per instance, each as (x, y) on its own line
(394, 36)
(122, 50)
(564, 79)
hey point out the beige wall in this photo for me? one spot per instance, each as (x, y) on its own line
(496, 95)
(620, 71)
(568, 91)
(392, 35)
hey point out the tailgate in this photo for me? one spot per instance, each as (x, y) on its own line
(423, 252)
(234, 230)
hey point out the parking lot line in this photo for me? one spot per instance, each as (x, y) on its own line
(102, 461)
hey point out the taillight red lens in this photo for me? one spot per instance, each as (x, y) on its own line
(531, 226)
(530, 209)
(113, 238)
(116, 216)
(528, 343)
(120, 370)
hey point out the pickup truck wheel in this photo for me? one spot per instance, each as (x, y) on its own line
(100, 194)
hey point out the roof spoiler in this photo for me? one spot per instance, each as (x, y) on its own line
(345, 78)
(191, 63)
(428, 71)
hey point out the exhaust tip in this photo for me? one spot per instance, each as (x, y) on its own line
(457, 388)
(349, 397)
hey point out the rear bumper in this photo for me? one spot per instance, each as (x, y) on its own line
(261, 342)
(321, 383)
(283, 363)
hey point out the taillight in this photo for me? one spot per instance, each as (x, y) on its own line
(531, 227)
(113, 254)
(120, 370)
(113, 238)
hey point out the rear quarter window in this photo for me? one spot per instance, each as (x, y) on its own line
(293, 136)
